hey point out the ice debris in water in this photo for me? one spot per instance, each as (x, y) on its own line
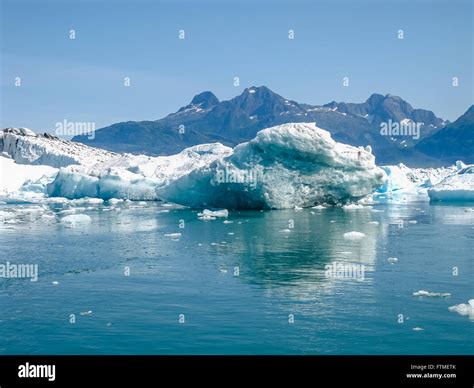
(74, 220)
(210, 214)
(431, 294)
(392, 260)
(173, 235)
(354, 235)
(465, 309)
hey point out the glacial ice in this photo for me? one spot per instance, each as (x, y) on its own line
(456, 187)
(431, 294)
(13, 177)
(75, 220)
(282, 167)
(466, 309)
(354, 235)
(215, 214)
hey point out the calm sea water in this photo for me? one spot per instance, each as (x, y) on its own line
(281, 275)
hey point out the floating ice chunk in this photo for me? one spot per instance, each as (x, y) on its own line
(231, 233)
(86, 201)
(223, 271)
(207, 218)
(89, 312)
(319, 207)
(354, 206)
(418, 329)
(227, 222)
(224, 213)
(412, 221)
(54, 282)
(115, 200)
(74, 220)
(354, 235)
(285, 231)
(431, 294)
(464, 309)
(392, 260)
(373, 222)
(173, 235)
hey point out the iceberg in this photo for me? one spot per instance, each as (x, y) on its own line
(456, 187)
(283, 167)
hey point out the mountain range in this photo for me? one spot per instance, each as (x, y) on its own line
(206, 119)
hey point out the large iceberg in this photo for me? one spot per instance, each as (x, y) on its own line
(287, 166)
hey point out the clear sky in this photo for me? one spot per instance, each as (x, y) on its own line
(83, 79)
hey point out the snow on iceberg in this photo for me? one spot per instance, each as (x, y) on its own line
(456, 187)
(26, 147)
(282, 167)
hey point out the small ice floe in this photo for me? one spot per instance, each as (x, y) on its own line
(173, 235)
(332, 221)
(88, 312)
(392, 260)
(297, 208)
(207, 218)
(285, 231)
(377, 211)
(109, 323)
(199, 244)
(223, 271)
(412, 221)
(86, 201)
(431, 294)
(354, 235)
(464, 309)
(319, 207)
(213, 214)
(74, 220)
(227, 222)
(418, 329)
(312, 212)
(355, 206)
(54, 282)
(114, 201)
(231, 233)
(373, 222)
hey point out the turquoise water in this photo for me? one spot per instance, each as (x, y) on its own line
(281, 274)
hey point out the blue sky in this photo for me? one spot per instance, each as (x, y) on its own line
(82, 79)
